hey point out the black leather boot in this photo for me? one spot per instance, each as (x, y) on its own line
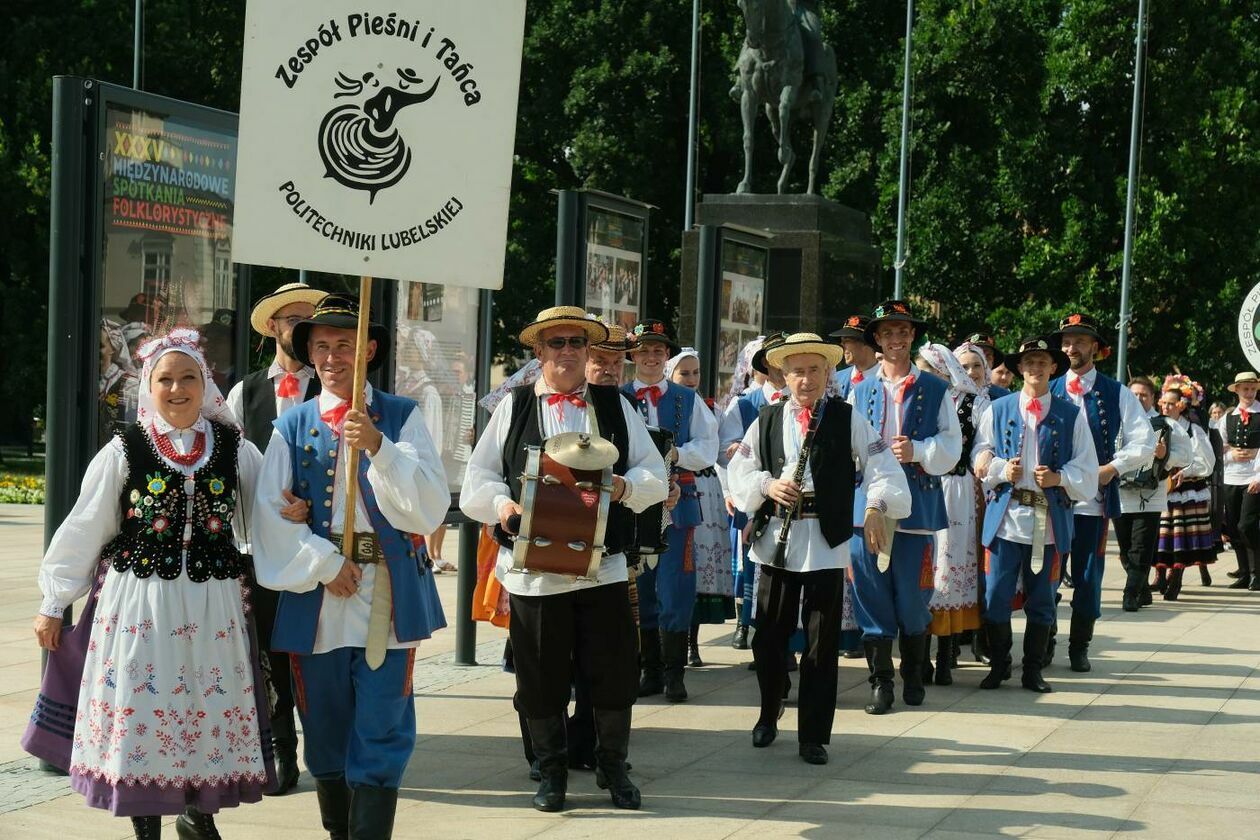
(194, 825)
(1035, 638)
(334, 806)
(284, 741)
(674, 658)
(1173, 592)
(928, 671)
(693, 647)
(980, 645)
(1135, 576)
(526, 743)
(1054, 632)
(652, 681)
(740, 640)
(147, 828)
(999, 655)
(944, 660)
(1205, 577)
(372, 812)
(879, 660)
(612, 728)
(549, 737)
(1082, 634)
(912, 656)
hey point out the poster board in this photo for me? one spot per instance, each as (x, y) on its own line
(379, 140)
(614, 266)
(741, 302)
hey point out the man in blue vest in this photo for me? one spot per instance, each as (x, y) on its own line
(257, 401)
(739, 415)
(1124, 442)
(859, 354)
(915, 418)
(994, 357)
(351, 619)
(1040, 459)
(667, 593)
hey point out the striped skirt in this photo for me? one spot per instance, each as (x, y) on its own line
(1186, 536)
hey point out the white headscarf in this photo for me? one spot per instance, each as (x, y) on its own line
(743, 372)
(188, 342)
(947, 365)
(676, 360)
(981, 391)
(527, 375)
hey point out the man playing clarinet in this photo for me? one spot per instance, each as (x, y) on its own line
(795, 470)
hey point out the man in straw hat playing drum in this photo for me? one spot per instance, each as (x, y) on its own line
(1124, 442)
(912, 414)
(1035, 454)
(1240, 429)
(352, 608)
(561, 622)
(256, 402)
(795, 470)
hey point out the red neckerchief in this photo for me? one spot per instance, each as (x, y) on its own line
(1034, 408)
(288, 386)
(335, 417)
(652, 392)
(1074, 385)
(776, 396)
(575, 399)
(905, 389)
(1244, 415)
(858, 376)
(803, 419)
(167, 449)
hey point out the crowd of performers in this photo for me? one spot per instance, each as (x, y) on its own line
(847, 494)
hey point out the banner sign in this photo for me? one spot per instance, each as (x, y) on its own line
(1249, 327)
(378, 139)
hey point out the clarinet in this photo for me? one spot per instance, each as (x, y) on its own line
(780, 542)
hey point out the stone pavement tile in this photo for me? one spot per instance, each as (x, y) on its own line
(67, 818)
(1128, 739)
(790, 826)
(964, 772)
(1211, 788)
(657, 751)
(570, 826)
(22, 677)
(715, 790)
(433, 769)
(938, 834)
(1083, 776)
(984, 729)
(1042, 815)
(780, 758)
(1178, 819)
(876, 804)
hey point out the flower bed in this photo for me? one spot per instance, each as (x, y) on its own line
(21, 489)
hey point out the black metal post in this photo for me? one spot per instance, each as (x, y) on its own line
(708, 271)
(568, 248)
(137, 49)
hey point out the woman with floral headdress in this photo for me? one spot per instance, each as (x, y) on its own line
(956, 594)
(1186, 535)
(168, 720)
(710, 548)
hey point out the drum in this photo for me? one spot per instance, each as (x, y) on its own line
(649, 526)
(566, 492)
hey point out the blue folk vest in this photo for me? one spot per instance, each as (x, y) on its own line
(844, 382)
(313, 453)
(1102, 410)
(1054, 449)
(750, 405)
(673, 413)
(920, 419)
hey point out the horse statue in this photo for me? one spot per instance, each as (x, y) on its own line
(785, 67)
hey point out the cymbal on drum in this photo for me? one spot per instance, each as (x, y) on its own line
(581, 451)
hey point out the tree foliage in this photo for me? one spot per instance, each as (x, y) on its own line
(1020, 142)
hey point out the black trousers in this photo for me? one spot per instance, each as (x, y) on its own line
(818, 598)
(265, 602)
(590, 629)
(1242, 517)
(1137, 536)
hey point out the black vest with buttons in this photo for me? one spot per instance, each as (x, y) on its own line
(156, 505)
(1242, 435)
(830, 465)
(968, 434)
(258, 401)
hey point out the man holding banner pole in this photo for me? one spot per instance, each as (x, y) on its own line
(352, 611)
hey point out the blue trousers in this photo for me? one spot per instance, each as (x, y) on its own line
(667, 594)
(898, 598)
(1007, 562)
(356, 722)
(1087, 565)
(743, 570)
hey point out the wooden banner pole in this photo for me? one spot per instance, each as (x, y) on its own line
(357, 404)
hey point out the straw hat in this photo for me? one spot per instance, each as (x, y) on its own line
(560, 316)
(804, 343)
(616, 339)
(1247, 377)
(269, 305)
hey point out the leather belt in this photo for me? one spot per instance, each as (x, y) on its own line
(1029, 498)
(367, 548)
(808, 508)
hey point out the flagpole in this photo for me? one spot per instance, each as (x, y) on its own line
(1130, 203)
(899, 261)
(689, 207)
(356, 404)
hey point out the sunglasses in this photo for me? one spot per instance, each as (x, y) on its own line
(577, 342)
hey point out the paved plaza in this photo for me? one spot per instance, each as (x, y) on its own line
(1162, 739)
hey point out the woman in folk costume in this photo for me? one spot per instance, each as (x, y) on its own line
(168, 718)
(1186, 535)
(955, 602)
(711, 547)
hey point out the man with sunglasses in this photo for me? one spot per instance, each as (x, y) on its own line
(561, 624)
(256, 401)
(667, 592)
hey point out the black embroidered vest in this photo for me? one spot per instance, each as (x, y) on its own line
(830, 464)
(526, 430)
(968, 434)
(1242, 435)
(258, 401)
(159, 503)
